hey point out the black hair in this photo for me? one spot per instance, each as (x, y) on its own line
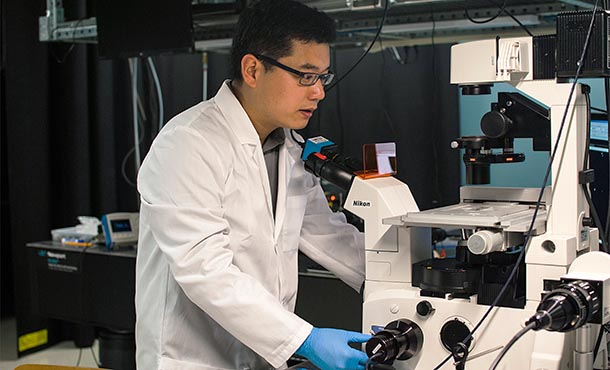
(268, 27)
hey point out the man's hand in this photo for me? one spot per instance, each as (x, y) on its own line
(328, 349)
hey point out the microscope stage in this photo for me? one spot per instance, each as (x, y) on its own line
(508, 216)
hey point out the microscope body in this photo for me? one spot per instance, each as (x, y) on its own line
(445, 300)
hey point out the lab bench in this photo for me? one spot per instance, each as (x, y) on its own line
(89, 286)
(96, 287)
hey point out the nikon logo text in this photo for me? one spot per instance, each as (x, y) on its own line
(361, 203)
(59, 256)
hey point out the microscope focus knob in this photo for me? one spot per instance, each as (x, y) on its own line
(399, 340)
(486, 241)
(495, 124)
(456, 331)
(424, 308)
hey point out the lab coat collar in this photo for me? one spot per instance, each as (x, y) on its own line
(244, 131)
(288, 156)
(233, 111)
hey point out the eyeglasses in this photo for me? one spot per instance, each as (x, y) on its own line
(305, 78)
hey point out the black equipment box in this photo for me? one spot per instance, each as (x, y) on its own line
(572, 29)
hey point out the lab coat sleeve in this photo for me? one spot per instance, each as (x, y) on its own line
(328, 239)
(182, 191)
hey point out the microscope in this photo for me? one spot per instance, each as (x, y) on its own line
(459, 313)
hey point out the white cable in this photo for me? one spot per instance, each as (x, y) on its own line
(205, 76)
(151, 64)
(134, 102)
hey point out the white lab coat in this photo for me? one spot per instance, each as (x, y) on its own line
(216, 275)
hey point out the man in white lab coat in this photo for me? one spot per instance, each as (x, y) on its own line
(227, 204)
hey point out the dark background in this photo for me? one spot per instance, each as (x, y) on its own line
(66, 124)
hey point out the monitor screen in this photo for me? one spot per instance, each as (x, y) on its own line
(132, 28)
(599, 131)
(120, 226)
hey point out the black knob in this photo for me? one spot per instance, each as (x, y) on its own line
(399, 340)
(454, 332)
(424, 308)
(495, 124)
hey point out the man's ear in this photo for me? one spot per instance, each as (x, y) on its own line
(251, 68)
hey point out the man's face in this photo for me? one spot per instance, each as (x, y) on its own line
(284, 102)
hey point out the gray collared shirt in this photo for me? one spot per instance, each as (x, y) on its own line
(271, 151)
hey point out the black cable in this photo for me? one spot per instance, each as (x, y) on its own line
(95, 357)
(385, 13)
(370, 361)
(607, 89)
(596, 220)
(527, 239)
(301, 143)
(502, 10)
(585, 188)
(510, 343)
(599, 110)
(519, 23)
(485, 20)
(460, 355)
(512, 274)
(80, 354)
(598, 342)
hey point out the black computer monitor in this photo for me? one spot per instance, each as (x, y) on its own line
(598, 160)
(137, 28)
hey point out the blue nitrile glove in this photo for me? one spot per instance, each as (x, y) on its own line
(328, 349)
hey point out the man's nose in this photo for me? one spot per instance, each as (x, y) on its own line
(317, 91)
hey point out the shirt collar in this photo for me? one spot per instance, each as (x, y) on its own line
(275, 139)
